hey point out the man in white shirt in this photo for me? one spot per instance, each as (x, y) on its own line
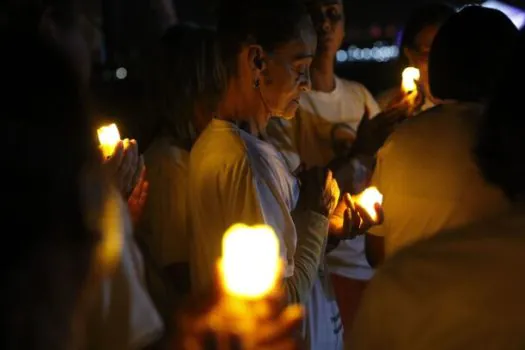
(310, 138)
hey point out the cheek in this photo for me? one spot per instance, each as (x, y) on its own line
(281, 87)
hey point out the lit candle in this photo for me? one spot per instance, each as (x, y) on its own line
(368, 200)
(250, 261)
(409, 77)
(108, 137)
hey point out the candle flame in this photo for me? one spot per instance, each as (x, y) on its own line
(368, 200)
(250, 261)
(108, 137)
(410, 76)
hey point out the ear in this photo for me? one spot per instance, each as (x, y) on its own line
(47, 26)
(256, 59)
(410, 56)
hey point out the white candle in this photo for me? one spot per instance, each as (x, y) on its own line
(250, 261)
(409, 77)
(368, 200)
(108, 137)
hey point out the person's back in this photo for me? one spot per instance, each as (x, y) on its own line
(429, 159)
(429, 178)
(460, 289)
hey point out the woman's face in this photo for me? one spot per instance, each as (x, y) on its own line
(284, 73)
(418, 54)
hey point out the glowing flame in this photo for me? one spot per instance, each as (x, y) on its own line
(368, 199)
(410, 76)
(250, 261)
(108, 137)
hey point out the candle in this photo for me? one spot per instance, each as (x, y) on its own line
(409, 77)
(368, 200)
(250, 261)
(108, 137)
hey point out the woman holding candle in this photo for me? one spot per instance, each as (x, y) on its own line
(236, 176)
(418, 35)
(325, 127)
(53, 270)
(426, 171)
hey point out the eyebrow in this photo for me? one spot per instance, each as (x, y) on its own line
(303, 56)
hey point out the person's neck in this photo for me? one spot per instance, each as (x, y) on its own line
(237, 108)
(322, 73)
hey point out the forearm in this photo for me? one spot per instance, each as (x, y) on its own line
(312, 229)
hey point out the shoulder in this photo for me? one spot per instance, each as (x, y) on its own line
(219, 143)
(353, 87)
(163, 151)
(220, 152)
(445, 120)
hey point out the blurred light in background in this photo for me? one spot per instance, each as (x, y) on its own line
(516, 15)
(121, 73)
(379, 52)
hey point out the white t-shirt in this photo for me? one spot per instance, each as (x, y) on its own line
(124, 316)
(429, 179)
(307, 139)
(462, 289)
(164, 226)
(235, 177)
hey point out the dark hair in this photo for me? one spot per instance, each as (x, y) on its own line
(501, 148)
(46, 144)
(422, 17)
(469, 52)
(269, 23)
(186, 71)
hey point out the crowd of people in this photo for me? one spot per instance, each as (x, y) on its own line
(250, 124)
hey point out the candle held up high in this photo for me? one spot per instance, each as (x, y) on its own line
(108, 137)
(409, 78)
(250, 263)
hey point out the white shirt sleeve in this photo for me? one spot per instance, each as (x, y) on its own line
(371, 103)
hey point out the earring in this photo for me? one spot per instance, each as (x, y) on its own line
(256, 84)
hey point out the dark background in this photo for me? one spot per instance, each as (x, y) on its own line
(129, 28)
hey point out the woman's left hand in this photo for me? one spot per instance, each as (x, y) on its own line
(350, 220)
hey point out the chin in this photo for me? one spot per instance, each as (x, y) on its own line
(289, 113)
